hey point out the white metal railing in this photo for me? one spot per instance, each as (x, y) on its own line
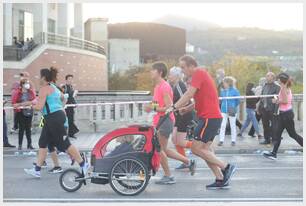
(72, 42)
(93, 115)
(12, 53)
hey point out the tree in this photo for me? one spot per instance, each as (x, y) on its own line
(136, 78)
(243, 69)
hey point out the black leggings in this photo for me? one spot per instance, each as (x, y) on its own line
(24, 124)
(286, 121)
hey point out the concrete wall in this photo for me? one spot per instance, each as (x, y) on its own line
(96, 31)
(90, 72)
(123, 53)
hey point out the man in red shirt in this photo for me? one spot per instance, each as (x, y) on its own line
(203, 90)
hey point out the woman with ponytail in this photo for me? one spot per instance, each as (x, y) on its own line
(51, 103)
(286, 115)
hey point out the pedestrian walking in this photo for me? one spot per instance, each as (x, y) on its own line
(162, 100)
(257, 92)
(203, 89)
(183, 119)
(229, 109)
(285, 118)
(267, 109)
(250, 110)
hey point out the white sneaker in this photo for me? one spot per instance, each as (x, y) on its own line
(32, 172)
(85, 168)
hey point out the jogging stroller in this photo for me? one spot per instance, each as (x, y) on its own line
(126, 158)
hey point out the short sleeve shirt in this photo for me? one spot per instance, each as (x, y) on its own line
(159, 92)
(206, 97)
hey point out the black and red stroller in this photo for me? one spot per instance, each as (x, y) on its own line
(126, 158)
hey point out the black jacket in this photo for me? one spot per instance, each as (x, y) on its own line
(251, 103)
(69, 90)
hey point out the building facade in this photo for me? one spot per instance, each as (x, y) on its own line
(123, 54)
(47, 24)
(157, 41)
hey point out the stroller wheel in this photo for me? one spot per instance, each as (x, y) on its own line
(69, 180)
(129, 177)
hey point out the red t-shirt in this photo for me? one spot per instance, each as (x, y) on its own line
(206, 96)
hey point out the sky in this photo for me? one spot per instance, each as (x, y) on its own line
(275, 16)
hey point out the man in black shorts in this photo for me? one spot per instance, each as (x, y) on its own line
(203, 90)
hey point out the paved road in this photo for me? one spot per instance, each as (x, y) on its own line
(257, 179)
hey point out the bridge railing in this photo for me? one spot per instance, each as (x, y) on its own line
(93, 117)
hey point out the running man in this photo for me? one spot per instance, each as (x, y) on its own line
(162, 98)
(204, 92)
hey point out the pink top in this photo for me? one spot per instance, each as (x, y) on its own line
(285, 107)
(159, 91)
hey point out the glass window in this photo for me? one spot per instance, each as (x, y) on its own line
(124, 144)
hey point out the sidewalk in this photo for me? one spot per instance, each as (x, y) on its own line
(249, 145)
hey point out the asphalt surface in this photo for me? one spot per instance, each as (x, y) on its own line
(257, 179)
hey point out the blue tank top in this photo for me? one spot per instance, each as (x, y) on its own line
(54, 101)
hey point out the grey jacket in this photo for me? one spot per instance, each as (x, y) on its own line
(266, 103)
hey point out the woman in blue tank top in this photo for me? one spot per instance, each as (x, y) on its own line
(50, 102)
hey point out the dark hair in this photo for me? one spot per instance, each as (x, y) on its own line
(68, 75)
(189, 60)
(161, 67)
(285, 79)
(49, 74)
(249, 87)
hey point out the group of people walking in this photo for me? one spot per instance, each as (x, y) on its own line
(196, 98)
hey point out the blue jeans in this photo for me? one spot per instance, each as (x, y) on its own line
(250, 118)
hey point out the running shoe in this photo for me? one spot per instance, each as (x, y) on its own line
(192, 167)
(44, 165)
(239, 135)
(218, 184)
(270, 155)
(228, 173)
(233, 143)
(220, 143)
(55, 170)
(32, 172)
(182, 166)
(165, 180)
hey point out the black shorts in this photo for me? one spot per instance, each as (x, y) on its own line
(182, 121)
(54, 131)
(207, 129)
